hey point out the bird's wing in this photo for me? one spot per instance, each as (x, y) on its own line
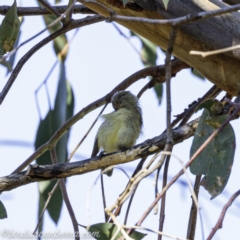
(95, 148)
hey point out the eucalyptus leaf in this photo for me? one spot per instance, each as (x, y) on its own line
(3, 211)
(60, 42)
(149, 58)
(63, 110)
(158, 88)
(9, 29)
(124, 2)
(165, 3)
(198, 74)
(103, 231)
(148, 52)
(216, 160)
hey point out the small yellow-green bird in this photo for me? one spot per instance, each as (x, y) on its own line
(121, 128)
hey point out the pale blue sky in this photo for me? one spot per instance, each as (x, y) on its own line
(94, 67)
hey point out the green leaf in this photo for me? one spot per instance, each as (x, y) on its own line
(213, 106)
(148, 52)
(103, 231)
(197, 74)
(6, 64)
(149, 58)
(158, 88)
(216, 160)
(3, 211)
(9, 29)
(63, 110)
(124, 2)
(13, 56)
(60, 42)
(9, 64)
(165, 3)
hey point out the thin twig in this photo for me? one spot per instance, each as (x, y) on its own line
(88, 200)
(138, 168)
(69, 14)
(53, 23)
(129, 205)
(70, 209)
(158, 232)
(49, 8)
(86, 134)
(103, 196)
(65, 197)
(169, 142)
(127, 38)
(185, 116)
(214, 52)
(120, 228)
(211, 93)
(161, 78)
(50, 194)
(193, 213)
(144, 173)
(222, 215)
(163, 201)
(189, 18)
(173, 35)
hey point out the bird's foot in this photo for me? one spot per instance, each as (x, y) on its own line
(101, 154)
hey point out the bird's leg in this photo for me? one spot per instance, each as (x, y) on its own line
(101, 154)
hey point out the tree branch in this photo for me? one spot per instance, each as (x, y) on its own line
(36, 173)
(49, 8)
(65, 197)
(199, 35)
(193, 212)
(39, 11)
(222, 215)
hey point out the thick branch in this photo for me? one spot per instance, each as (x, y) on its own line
(207, 34)
(36, 11)
(36, 173)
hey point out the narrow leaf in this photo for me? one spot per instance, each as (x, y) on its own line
(63, 109)
(148, 52)
(9, 29)
(6, 64)
(3, 211)
(149, 58)
(165, 3)
(13, 56)
(158, 88)
(198, 74)
(60, 42)
(124, 2)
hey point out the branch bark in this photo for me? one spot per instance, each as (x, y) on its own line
(208, 34)
(39, 11)
(36, 173)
